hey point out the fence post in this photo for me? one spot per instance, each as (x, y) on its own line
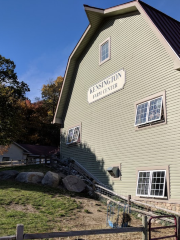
(94, 188)
(144, 223)
(178, 227)
(19, 231)
(129, 203)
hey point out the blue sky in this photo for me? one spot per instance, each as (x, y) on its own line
(39, 35)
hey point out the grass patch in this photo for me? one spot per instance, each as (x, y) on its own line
(87, 211)
(27, 168)
(39, 208)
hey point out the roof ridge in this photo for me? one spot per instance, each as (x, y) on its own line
(122, 4)
(110, 7)
(85, 5)
(158, 11)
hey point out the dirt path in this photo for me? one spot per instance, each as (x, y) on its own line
(93, 215)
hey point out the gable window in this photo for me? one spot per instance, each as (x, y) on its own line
(73, 135)
(6, 158)
(104, 53)
(150, 111)
(151, 183)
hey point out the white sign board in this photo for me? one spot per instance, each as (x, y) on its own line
(107, 86)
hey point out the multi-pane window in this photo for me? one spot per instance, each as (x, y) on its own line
(151, 183)
(149, 111)
(73, 135)
(104, 51)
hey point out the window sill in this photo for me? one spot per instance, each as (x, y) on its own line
(72, 144)
(150, 198)
(107, 59)
(150, 125)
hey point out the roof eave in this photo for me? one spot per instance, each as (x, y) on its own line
(22, 147)
(120, 9)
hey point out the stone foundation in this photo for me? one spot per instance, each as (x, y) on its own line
(166, 205)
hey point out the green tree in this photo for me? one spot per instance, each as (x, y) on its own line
(11, 91)
(50, 94)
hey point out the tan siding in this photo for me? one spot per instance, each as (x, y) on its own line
(108, 133)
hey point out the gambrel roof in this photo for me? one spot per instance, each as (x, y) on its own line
(166, 29)
(169, 27)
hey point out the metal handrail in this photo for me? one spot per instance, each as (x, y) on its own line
(172, 226)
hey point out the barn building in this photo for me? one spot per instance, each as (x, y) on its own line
(118, 106)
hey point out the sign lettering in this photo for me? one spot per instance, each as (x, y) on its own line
(107, 86)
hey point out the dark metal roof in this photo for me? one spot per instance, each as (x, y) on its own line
(169, 27)
(38, 149)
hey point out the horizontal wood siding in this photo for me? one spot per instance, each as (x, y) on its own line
(108, 134)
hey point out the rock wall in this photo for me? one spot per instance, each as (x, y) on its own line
(166, 205)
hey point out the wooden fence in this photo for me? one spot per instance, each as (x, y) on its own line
(20, 235)
(24, 162)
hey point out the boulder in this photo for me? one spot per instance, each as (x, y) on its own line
(51, 179)
(61, 175)
(30, 177)
(73, 183)
(9, 174)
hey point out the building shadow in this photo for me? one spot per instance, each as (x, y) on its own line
(83, 154)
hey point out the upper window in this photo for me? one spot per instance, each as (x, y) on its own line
(6, 158)
(151, 183)
(73, 135)
(150, 111)
(104, 51)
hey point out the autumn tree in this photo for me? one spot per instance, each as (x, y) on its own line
(38, 116)
(36, 127)
(3, 149)
(11, 91)
(50, 94)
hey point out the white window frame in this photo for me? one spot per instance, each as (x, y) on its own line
(109, 50)
(155, 123)
(150, 183)
(148, 107)
(73, 128)
(6, 160)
